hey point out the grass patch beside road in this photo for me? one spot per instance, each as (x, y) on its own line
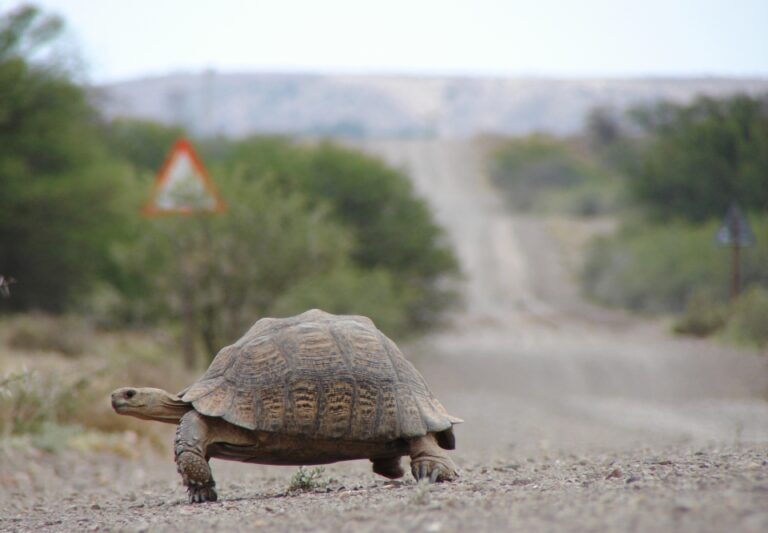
(677, 268)
(52, 397)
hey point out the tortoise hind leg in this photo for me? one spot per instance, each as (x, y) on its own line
(191, 459)
(388, 467)
(429, 460)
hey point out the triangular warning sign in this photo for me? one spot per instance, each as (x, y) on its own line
(735, 230)
(183, 186)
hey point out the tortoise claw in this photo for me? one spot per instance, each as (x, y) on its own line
(201, 494)
(433, 471)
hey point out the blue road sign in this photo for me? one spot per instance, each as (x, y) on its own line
(735, 230)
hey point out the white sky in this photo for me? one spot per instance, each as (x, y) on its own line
(120, 39)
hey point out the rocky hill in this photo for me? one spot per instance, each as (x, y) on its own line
(390, 106)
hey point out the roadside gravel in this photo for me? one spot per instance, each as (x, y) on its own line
(674, 489)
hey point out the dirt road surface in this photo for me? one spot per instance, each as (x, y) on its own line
(577, 418)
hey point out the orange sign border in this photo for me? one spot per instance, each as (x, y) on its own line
(180, 147)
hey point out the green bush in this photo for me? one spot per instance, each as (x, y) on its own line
(698, 157)
(142, 143)
(659, 267)
(391, 229)
(748, 320)
(230, 268)
(654, 268)
(349, 290)
(543, 173)
(61, 204)
(306, 226)
(704, 315)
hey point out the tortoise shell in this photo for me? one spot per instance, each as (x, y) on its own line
(320, 376)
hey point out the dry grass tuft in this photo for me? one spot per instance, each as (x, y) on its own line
(38, 332)
(307, 479)
(61, 401)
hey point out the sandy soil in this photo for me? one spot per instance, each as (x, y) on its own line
(577, 418)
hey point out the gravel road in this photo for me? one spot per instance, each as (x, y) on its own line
(577, 418)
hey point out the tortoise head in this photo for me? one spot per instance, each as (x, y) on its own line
(149, 404)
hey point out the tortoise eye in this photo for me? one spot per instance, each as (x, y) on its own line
(130, 394)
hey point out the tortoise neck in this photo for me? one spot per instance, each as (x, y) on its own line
(165, 407)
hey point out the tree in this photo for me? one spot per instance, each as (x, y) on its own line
(700, 157)
(142, 143)
(60, 200)
(237, 264)
(392, 229)
(25, 31)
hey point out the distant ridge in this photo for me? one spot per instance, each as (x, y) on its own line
(237, 105)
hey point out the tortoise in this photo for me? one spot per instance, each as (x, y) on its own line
(311, 389)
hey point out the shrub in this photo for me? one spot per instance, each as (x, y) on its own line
(704, 315)
(307, 479)
(655, 268)
(59, 393)
(62, 200)
(30, 399)
(230, 269)
(659, 267)
(351, 291)
(317, 226)
(748, 321)
(393, 229)
(698, 157)
(543, 173)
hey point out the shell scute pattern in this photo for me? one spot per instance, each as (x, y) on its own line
(364, 416)
(301, 416)
(336, 411)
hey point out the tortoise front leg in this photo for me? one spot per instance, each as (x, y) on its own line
(429, 460)
(192, 437)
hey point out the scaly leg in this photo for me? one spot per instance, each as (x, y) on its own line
(429, 460)
(191, 458)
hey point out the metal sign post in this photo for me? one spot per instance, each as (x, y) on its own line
(736, 234)
(183, 188)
